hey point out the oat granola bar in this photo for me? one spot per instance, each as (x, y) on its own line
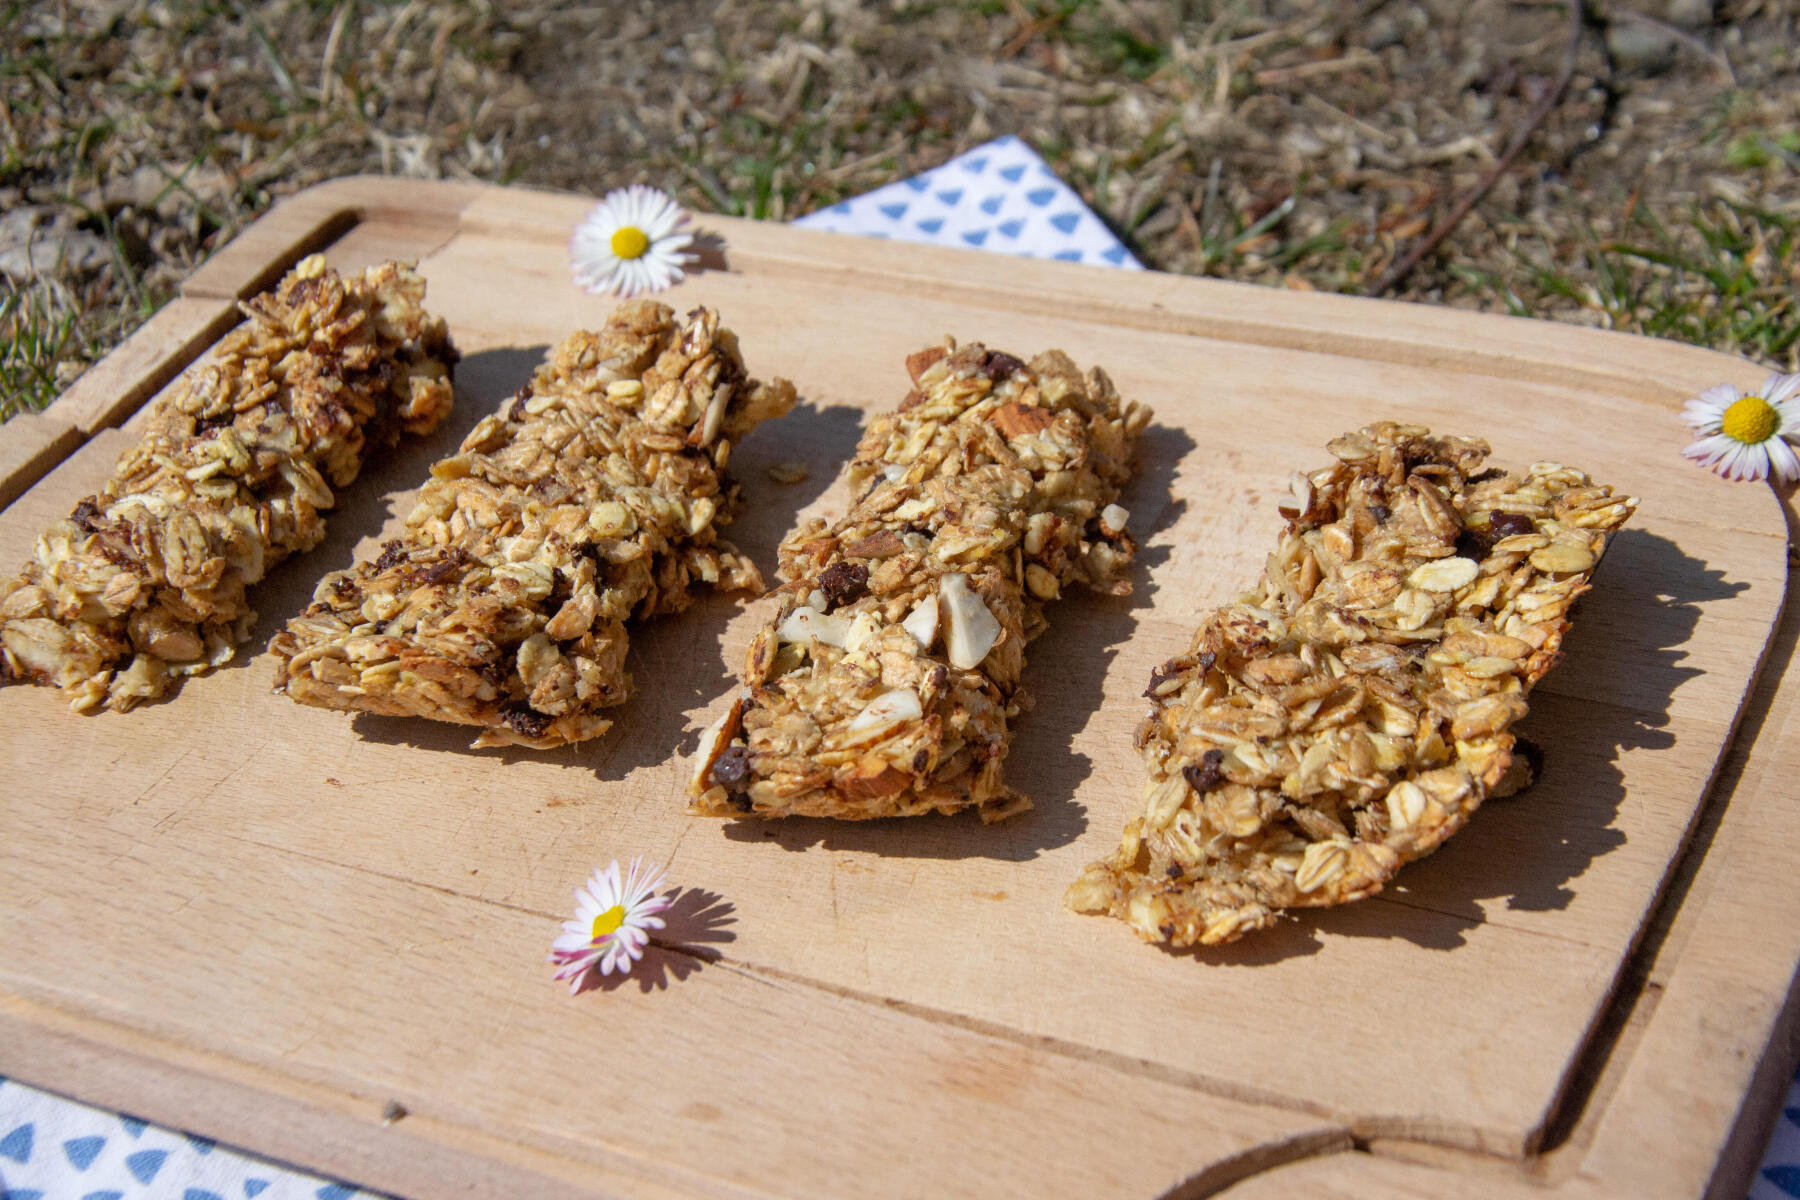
(145, 582)
(590, 498)
(885, 683)
(1355, 711)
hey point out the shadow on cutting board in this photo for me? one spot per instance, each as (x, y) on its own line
(693, 925)
(677, 662)
(1529, 849)
(1065, 675)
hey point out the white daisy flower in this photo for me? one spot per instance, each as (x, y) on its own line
(628, 244)
(1745, 436)
(611, 924)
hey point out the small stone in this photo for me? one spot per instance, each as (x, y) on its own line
(1641, 47)
(40, 241)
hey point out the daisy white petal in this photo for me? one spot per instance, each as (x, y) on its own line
(1706, 408)
(1744, 436)
(613, 916)
(1783, 463)
(1777, 388)
(629, 243)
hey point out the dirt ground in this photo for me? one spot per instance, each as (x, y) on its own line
(1297, 143)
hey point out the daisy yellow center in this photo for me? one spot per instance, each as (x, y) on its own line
(608, 921)
(1750, 420)
(628, 241)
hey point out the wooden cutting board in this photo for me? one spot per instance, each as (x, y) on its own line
(323, 937)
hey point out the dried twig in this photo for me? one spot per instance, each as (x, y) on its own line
(1400, 270)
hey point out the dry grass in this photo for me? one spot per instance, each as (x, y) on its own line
(1298, 143)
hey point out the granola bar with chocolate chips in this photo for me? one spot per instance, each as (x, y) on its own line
(1355, 710)
(884, 684)
(593, 497)
(144, 583)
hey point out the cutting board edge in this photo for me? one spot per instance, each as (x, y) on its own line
(1228, 310)
(239, 1103)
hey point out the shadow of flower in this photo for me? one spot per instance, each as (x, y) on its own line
(693, 925)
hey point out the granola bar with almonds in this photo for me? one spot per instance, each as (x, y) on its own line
(885, 683)
(1355, 710)
(591, 498)
(144, 583)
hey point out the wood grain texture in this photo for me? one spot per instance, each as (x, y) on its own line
(387, 895)
(410, 221)
(30, 444)
(111, 390)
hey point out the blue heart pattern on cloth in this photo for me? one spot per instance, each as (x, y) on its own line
(959, 203)
(17, 1144)
(1785, 1178)
(57, 1149)
(145, 1164)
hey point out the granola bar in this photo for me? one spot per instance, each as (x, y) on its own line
(885, 683)
(591, 497)
(1353, 712)
(144, 583)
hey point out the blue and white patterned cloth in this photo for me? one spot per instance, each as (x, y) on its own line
(56, 1149)
(1779, 1176)
(1000, 197)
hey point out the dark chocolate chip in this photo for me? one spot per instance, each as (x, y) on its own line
(732, 766)
(843, 583)
(392, 553)
(525, 719)
(1204, 776)
(997, 365)
(1381, 513)
(1504, 524)
(1473, 543)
